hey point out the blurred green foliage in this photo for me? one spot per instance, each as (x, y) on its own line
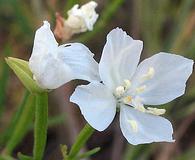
(167, 25)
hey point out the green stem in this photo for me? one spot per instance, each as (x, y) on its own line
(83, 136)
(40, 130)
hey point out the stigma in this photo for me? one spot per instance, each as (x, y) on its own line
(120, 90)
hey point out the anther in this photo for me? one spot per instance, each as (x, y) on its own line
(155, 111)
(140, 108)
(127, 83)
(127, 99)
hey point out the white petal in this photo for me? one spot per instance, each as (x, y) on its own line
(55, 73)
(80, 59)
(49, 71)
(147, 128)
(120, 57)
(169, 80)
(53, 66)
(44, 44)
(96, 103)
(44, 41)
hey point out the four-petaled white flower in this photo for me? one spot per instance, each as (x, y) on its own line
(83, 18)
(53, 65)
(127, 86)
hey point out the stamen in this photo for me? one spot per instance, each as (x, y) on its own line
(149, 74)
(120, 90)
(140, 108)
(155, 111)
(134, 125)
(127, 99)
(140, 89)
(127, 83)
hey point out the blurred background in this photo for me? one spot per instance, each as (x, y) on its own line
(163, 25)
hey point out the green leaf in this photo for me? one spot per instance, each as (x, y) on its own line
(5, 136)
(82, 138)
(21, 69)
(22, 124)
(89, 153)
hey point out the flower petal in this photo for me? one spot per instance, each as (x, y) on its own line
(47, 70)
(53, 66)
(44, 41)
(168, 81)
(80, 59)
(96, 103)
(120, 57)
(139, 127)
(44, 44)
(54, 73)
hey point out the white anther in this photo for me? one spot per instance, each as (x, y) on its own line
(127, 99)
(120, 90)
(155, 111)
(127, 83)
(149, 74)
(137, 103)
(140, 108)
(140, 89)
(133, 124)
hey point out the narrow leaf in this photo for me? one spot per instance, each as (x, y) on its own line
(82, 138)
(89, 153)
(5, 136)
(21, 125)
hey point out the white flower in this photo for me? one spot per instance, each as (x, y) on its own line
(83, 18)
(128, 87)
(53, 65)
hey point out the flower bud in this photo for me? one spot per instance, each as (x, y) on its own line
(83, 18)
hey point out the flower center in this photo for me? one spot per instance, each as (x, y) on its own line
(129, 95)
(120, 92)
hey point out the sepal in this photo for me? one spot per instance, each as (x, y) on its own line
(21, 69)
